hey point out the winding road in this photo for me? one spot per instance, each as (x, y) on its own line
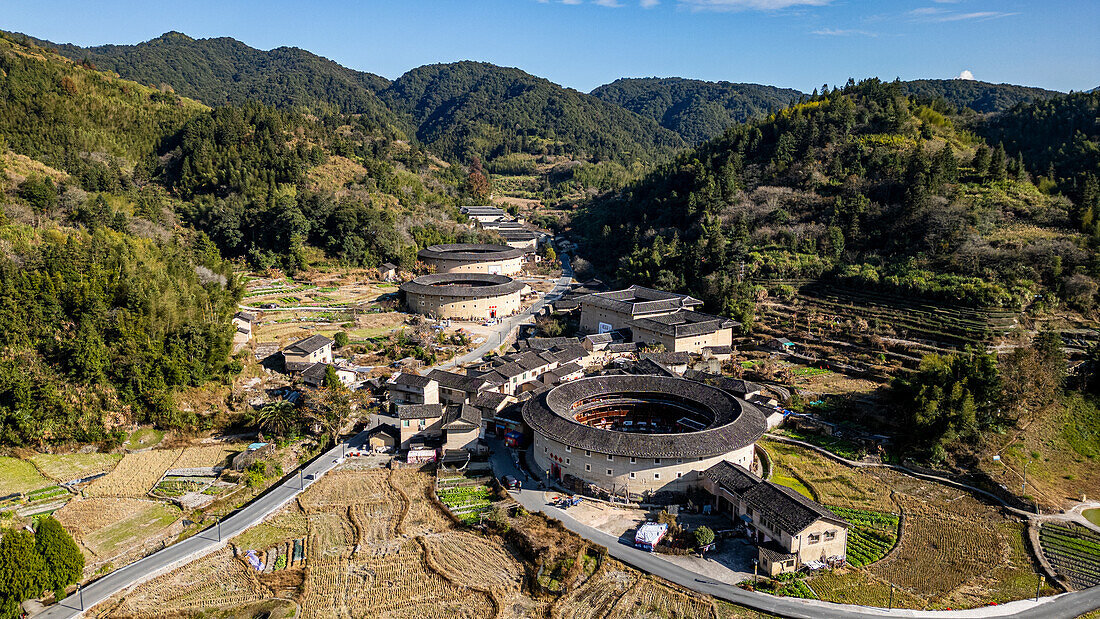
(1064, 606)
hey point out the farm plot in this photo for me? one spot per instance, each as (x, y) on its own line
(940, 551)
(19, 476)
(215, 581)
(398, 585)
(474, 561)
(347, 488)
(832, 482)
(598, 595)
(290, 523)
(466, 498)
(1073, 551)
(423, 516)
(135, 474)
(70, 467)
(108, 526)
(871, 535)
(650, 598)
(208, 456)
(858, 586)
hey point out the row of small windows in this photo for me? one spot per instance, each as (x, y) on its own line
(611, 458)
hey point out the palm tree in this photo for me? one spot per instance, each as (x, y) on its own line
(278, 418)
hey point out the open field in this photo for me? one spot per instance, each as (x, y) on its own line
(143, 438)
(215, 581)
(954, 551)
(377, 545)
(135, 475)
(19, 476)
(204, 457)
(69, 467)
(108, 526)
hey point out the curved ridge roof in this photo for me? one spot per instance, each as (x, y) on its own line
(476, 285)
(735, 423)
(470, 252)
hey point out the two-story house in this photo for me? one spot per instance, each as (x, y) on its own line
(788, 528)
(409, 388)
(306, 352)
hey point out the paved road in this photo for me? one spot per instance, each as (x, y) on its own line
(504, 329)
(533, 498)
(200, 544)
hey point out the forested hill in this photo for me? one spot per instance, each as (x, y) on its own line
(118, 206)
(695, 109)
(459, 110)
(1059, 139)
(863, 185)
(475, 107)
(982, 97)
(223, 71)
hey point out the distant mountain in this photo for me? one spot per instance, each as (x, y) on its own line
(474, 107)
(695, 109)
(226, 71)
(981, 97)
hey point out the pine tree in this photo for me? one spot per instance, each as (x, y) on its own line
(63, 563)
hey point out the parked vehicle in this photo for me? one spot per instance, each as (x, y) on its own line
(510, 482)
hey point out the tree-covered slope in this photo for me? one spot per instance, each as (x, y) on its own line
(467, 108)
(695, 109)
(1059, 140)
(982, 97)
(864, 185)
(225, 71)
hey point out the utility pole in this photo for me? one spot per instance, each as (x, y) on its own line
(218, 524)
(755, 565)
(301, 480)
(80, 594)
(891, 596)
(1038, 587)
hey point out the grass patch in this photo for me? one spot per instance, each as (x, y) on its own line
(793, 484)
(145, 437)
(68, 467)
(871, 535)
(1092, 515)
(841, 447)
(1082, 429)
(115, 538)
(275, 531)
(19, 476)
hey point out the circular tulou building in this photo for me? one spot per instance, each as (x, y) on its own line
(473, 258)
(639, 435)
(463, 296)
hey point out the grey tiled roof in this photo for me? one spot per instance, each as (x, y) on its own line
(732, 478)
(667, 358)
(546, 343)
(476, 285)
(791, 511)
(640, 301)
(683, 323)
(310, 344)
(734, 424)
(463, 417)
(470, 252)
(412, 380)
(460, 382)
(419, 411)
(772, 552)
(736, 386)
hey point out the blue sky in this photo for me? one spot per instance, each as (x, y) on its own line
(584, 43)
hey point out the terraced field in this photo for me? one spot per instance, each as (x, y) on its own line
(1073, 551)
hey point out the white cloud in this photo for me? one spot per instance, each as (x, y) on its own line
(841, 32)
(649, 4)
(937, 14)
(742, 5)
(608, 3)
(965, 75)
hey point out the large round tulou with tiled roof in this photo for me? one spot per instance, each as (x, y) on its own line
(639, 435)
(473, 258)
(463, 296)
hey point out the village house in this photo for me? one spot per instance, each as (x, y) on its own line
(461, 427)
(789, 529)
(388, 271)
(419, 421)
(655, 317)
(314, 375)
(304, 353)
(383, 439)
(459, 388)
(483, 214)
(409, 388)
(242, 321)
